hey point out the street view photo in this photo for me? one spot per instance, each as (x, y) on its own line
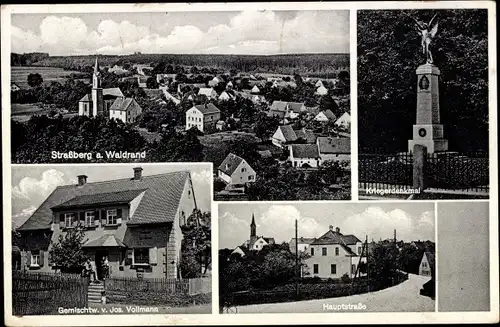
(263, 98)
(423, 104)
(111, 239)
(326, 257)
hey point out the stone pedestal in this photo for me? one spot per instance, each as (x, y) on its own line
(428, 131)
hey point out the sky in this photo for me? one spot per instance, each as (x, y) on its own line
(247, 32)
(31, 185)
(412, 221)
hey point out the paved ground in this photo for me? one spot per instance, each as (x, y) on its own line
(404, 297)
(144, 309)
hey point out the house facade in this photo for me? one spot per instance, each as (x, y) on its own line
(125, 109)
(325, 116)
(344, 120)
(426, 267)
(235, 170)
(14, 87)
(321, 90)
(134, 222)
(334, 254)
(202, 116)
(334, 149)
(208, 92)
(304, 155)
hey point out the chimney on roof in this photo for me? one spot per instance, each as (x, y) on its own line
(82, 180)
(330, 227)
(337, 229)
(137, 173)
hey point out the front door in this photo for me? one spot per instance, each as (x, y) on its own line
(100, 256)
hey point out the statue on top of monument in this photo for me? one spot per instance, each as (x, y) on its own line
(427, 31)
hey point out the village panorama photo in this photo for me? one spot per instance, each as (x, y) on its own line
(326, 257)
(111, 238)
(262, 95)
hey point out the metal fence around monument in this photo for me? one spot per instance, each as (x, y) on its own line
(383, 171)
(452, 171)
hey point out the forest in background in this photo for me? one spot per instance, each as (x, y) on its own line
(314, 65)
(389, 52)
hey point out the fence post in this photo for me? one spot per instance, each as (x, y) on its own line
(419, 162)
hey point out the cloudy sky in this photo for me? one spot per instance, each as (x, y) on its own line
(31, 185)
(246, 32)
(412, 221)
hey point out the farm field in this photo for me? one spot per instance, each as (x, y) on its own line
(19, 75)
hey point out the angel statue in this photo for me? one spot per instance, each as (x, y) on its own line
(427, 31)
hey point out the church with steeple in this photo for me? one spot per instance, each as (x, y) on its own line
(109, 102)
(255, 243)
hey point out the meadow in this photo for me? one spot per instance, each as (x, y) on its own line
(19, 74)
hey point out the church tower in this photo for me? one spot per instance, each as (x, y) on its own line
(253, 229)
(97, 93)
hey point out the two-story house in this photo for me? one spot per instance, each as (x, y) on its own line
(125, 109)
(235, 170)
(304, 155)
(208, 92)
(202, 116)
(286, 135)
(426, 267)
(334, 254)
(335, 149)
(135, 222)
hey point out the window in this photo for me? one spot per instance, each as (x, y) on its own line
(141, 256)
(336, 251)
(359, 250)
(312, 252)
(353, 269)
(69, 219)
(323, 251)
(250, 177)
(424, 264)
(333, 269)
(243, 170)
(315, 268)
(35, 258)
(89, 218)
(111, 218)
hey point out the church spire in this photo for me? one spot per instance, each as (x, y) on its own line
(253, 228)
(96, 66)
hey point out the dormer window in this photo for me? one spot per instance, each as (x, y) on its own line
(69, 219)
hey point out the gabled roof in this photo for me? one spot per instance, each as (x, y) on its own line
(206, 91)
(306, 134)
(345, 117)
(333, 237)
(279, 106)
(296, 106)
(288, 133)
(207, 108)
(334, 145)
(114, 91)
(430, 259)
(269, 240)
(305, 151)
(99, 199)
(230, 163)
(304, 240)
(329, 114)
(158, 205)
(123, 104)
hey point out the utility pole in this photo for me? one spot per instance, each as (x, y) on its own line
(297, 272)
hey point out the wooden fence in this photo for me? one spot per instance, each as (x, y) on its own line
(43, 293)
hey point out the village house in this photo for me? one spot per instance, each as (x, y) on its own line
(229, 85)
(234, 170)
(208, 92)
(304, 155)
(202, 116)
(183, 88)
(319, 83)
(334, 149)
(254, 243)
(169, 96)
(325, 116)
(118, 70)
(125, 109)
(303, 244)
(99, 100)
(142, 68)
(220, 125)
(255, 89)
(284, 109)
(427, 267)
(344, 121)
(285, 135)
(321, 90)
(165, 78)
(334, 254)
(141, 80)
(135, 222)
(225, 96)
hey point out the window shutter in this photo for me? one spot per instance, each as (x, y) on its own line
(62, 222)
(103, 217)
(128, 258)
(28, 258)
(42, 257)
(153, 253)
(82, 217)
(118, 216)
